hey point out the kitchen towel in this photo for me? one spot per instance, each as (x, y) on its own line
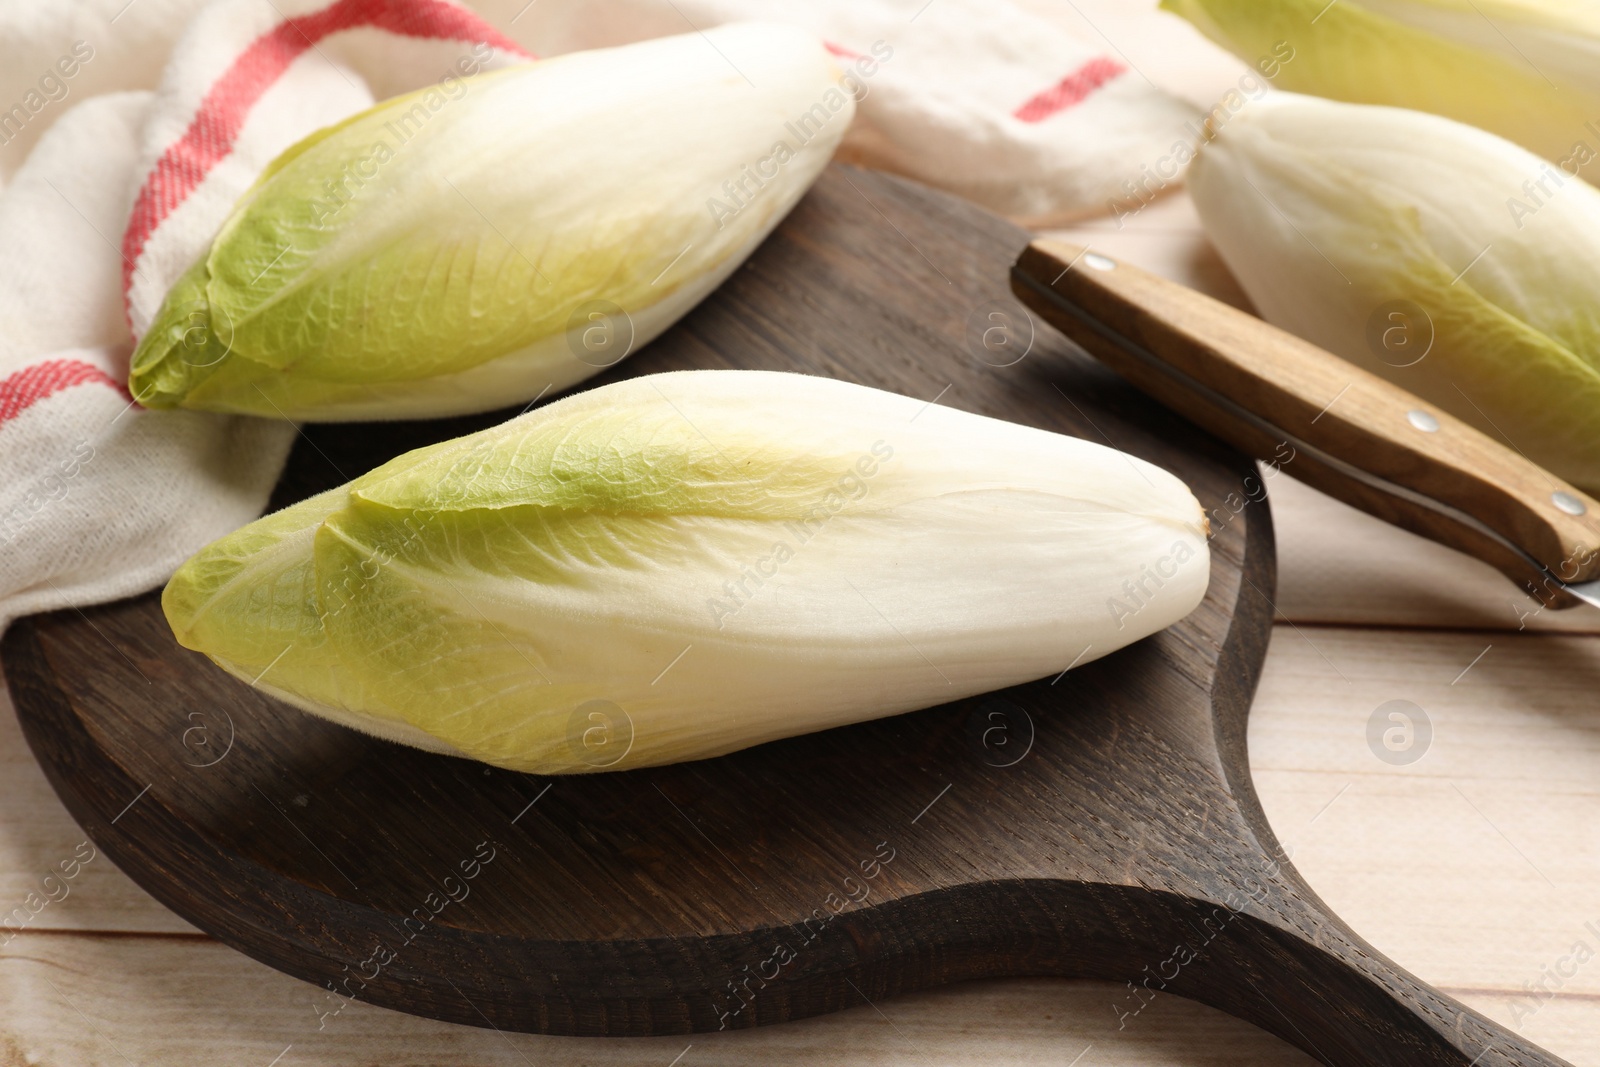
(128, 128)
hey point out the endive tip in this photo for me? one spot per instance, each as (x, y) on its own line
(179, 602)
(180, 349)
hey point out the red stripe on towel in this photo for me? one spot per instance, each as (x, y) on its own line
(1072, 89)
(24, 388)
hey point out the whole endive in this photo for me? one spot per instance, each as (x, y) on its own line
(1528, 70)
(437, 255)
(1439, 256)
(680, 565)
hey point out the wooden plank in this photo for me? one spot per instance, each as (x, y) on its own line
(1476, 866)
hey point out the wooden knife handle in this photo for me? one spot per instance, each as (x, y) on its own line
(1328, 422)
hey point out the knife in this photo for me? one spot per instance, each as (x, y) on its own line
(1354, 436)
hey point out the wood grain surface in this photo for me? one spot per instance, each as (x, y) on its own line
(1099, 824)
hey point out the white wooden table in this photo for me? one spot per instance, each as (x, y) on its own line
(1477, 867)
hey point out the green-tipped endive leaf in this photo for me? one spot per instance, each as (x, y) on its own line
(1441, 257)
(453, 252)
(1528, 70)
(681, 565)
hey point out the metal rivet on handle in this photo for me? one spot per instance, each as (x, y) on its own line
(1099, 262)
(1568, 503)
(1423, 421)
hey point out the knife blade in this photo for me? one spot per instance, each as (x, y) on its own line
(1354, 435)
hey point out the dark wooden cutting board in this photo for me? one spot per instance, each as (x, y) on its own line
(1101, 824)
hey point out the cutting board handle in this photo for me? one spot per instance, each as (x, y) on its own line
(1333, 425)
